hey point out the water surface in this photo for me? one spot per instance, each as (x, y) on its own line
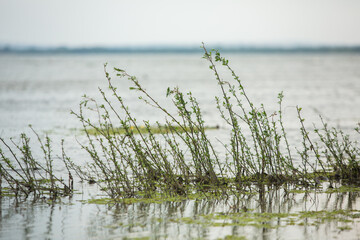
(42, 89)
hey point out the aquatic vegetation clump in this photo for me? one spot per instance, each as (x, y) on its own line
(138, 159)
(24, 175)
(340, 153)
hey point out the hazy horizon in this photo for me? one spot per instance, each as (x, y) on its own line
(178, 49)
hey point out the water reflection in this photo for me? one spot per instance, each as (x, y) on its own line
(265, 213)
(190, 219)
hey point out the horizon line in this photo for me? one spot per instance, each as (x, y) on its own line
(7, 48)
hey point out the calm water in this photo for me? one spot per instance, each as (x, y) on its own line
(41, 89)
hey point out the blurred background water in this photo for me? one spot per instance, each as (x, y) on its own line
(41, 89)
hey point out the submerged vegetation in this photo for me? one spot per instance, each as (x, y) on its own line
(143, 130)
(274, 220)
(273, 212)
(132, 159)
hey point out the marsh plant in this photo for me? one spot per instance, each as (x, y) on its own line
(130, 163)
(24, 175)
(131, 158)
(142, 161)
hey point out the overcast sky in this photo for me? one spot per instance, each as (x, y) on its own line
(185, 22)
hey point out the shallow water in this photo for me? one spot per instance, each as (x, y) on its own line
(41, 89)
(187, 219)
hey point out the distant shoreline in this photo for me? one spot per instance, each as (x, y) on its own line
(179, 50)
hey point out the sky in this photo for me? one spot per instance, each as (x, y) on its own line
(79, 23)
